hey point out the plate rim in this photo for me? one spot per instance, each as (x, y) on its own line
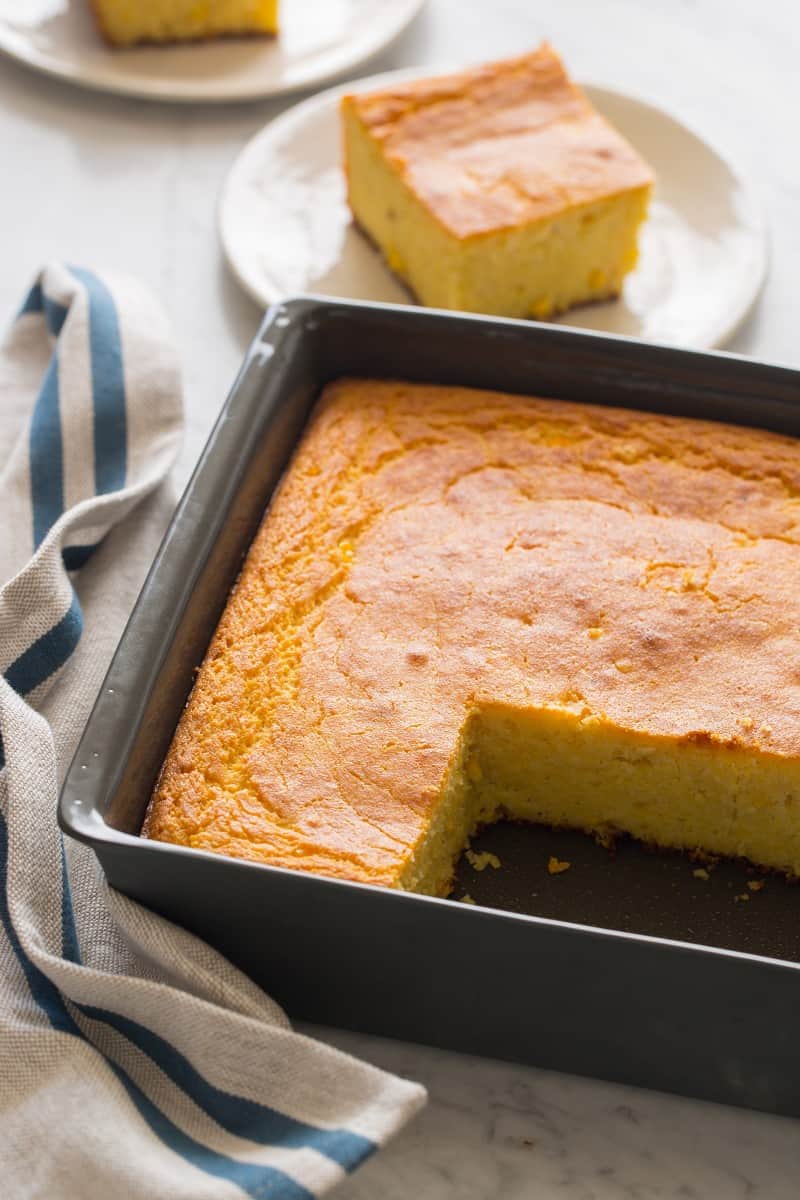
(193, 92)
(721, 333)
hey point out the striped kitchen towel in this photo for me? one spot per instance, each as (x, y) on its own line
(134, 1060)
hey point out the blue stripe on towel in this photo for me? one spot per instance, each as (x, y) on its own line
(46, 456)
(49, 652)
(42, 990)
(34, 301)
(70, 947)
(260, 1182)
(75, 557)
(55, 313)
(244, 1118)
(108, 386)
(257, 1181)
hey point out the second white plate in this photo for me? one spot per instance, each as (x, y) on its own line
(286, 228)
(319, 40)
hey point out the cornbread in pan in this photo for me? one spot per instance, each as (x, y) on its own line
(498, 189)
(128, 22)
(463, 604)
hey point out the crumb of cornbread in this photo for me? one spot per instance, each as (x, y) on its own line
(479, 862)
(467, 899)
(607, 838)
(128, 22)
(755, 885)
(557, 866)
(404, 657)
(498, 189)
(701, 873)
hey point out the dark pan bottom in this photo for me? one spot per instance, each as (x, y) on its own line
(635, 889)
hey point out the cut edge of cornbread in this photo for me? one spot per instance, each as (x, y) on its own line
(573, 770)
(124, 23)
(517, 270)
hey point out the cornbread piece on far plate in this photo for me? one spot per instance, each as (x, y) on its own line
(463, 605)
(130, 22)
(498, 189)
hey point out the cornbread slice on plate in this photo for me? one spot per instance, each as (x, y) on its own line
(463, 604)
(129, 22)
(498, 189)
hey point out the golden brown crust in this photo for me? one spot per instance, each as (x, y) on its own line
(500, 145)
(432, 548)
(110, 41)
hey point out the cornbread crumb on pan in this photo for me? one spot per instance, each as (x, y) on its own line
(129, 22)
(497, 189)
(479, 862)
(405, 655)
(557, 866)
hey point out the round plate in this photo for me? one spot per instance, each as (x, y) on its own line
(319, 40)
(286, 228)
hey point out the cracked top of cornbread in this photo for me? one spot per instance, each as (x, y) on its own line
(500, 145)
(434, 548)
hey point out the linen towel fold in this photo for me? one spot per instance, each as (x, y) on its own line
(134, 1060)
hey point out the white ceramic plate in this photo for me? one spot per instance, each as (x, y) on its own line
(319, 40)
(286, 228)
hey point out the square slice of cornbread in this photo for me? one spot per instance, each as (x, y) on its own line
(498, 189)
(129, 22)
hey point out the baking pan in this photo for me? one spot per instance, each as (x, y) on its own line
(628, 967)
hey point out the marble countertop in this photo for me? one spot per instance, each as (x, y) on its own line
(133, 186)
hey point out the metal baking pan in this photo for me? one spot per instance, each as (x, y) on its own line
(627, 968)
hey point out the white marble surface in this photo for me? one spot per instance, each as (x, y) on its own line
(133, 186)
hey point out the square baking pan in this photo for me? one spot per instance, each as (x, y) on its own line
(631, 967)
